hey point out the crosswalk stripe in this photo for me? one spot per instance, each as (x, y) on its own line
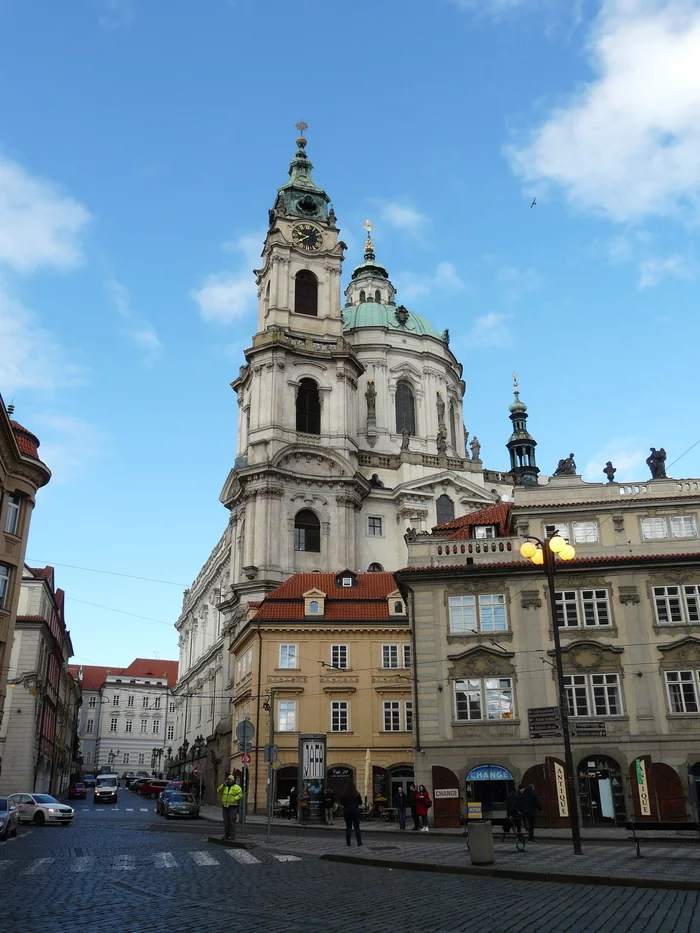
(124, 862)
(129, 809)
(100, 810)
(82, 863)
(144, 809)
(203, 858)
(38, 866)
(115, 808)
(243, 856)
(286, 858)
(164, 860)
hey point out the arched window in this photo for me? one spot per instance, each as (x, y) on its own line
(445, 509)
(405, 409)
(307, 531)
(308, 408)
(398, 608)
(453, 426)
(378, 297)
(362, 295)
(306, 293)
(313, 606)
(375, 568)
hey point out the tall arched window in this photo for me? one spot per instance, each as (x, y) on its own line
(362, 295)
(308, 408)
(307, 531)
(306, 293)
(378, 297)
(453, 426)
(445, 509)
(405, 409)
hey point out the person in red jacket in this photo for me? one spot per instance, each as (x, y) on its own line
(423, 804)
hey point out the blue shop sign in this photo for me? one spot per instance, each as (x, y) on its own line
(489, 773)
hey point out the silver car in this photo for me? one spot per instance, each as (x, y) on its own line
(41, 808)
(9, 819)
(179, 804)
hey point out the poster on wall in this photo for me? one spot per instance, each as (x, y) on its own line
(560, 781)
(380, 784)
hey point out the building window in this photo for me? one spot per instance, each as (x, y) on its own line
(374, 526)
(491, 615)
(339, 715)
(444, 509)
(144, 702)
(113, 724)
(374, 567)
(171, 734)
(308, 408)
(339, 656)
(142, 758)
(130, 700)
(115, 700)
(557, 528)
(129, 725)
(171, 707)
(390, 655)
(92, 702)
(288, 656)
(286, 715)
(405, 409)
(125, 758)
(682, 691)
(392, 716)
(156, 726)
(408, 712)
(144, 725)
(677, 605)
(593, 694)
(14, 504)
(681, 526)
(89, 726)
(654, 528)
(585, 532)
(156, 703)
(406, 655)
(484, 531)
(306, 293)
(377, 296)
(575, 608)
(313, 607)
(487, 698)
(4, 585)
(88, 758)
(307, 532)
(453, 430)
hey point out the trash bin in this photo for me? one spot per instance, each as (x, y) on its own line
(480, 842)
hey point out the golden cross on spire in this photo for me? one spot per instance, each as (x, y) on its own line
(515, 381)
(301, 126)
(368, 227)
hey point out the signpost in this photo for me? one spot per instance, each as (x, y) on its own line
(245, 733)
(544, 722)
(587, 729)
(270, 756)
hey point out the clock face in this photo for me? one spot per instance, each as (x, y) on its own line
(307, 237)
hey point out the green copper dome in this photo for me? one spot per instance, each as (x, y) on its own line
(374, 314)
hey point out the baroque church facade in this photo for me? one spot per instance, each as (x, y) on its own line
(350, 429)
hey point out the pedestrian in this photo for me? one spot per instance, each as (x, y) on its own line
(292, 804)
(413, 805)
(230, 794)
(328, 804)
(401, 802)
(529, 807)
(304, 801)
(423, 804)
(514, 811)
(351, 802)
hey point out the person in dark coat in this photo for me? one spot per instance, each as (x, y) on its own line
(351, 802)
(529, 806)
(413, 804)
(514, 810)
(292, 814)
(401, 801)
(328, 802)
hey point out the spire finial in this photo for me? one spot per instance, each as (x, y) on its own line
(301, 126)
(515, 382)
(369, 246)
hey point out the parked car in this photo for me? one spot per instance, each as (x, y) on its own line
(77, 791)
(128, 776)
(172, 788)
(136, 783)
(152, 788)
(106, 789)
(89, 780)
(9, 818)
(41, 808)
(179, 804)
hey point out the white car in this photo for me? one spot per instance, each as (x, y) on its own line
(41, 808)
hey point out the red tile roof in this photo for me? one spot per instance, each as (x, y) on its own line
(27, 442)
(366, 602)
(369, 586)
(150, 667)
(93, 676)
(31, 619)
(43, 573)
(576, 562)
(491, 515)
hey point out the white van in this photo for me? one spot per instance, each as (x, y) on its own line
(106, 788)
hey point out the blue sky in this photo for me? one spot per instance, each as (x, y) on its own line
(141, 145)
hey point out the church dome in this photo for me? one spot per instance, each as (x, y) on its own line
(376, 314)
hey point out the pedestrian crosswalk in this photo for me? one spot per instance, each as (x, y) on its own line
(201, 858)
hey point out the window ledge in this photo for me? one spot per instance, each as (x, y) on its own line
(485, 722)
(350, 732)
(287, 670)
(579, 631)
(454, 637)
(675, 627)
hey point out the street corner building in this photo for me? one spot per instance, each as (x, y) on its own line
(627, 607)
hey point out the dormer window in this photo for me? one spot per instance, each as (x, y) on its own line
(484, 531)
(313, 607)
(396, 605)
(314, 603)
(346, 579)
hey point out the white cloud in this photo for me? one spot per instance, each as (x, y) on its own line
(627, 144)
(627, 456)
(69, 445)
(250, 245)
(116, 15)
(224, 297)
(445, 279)
(403, 217)
(39, 226)
(491, 330)
(518, 282)
(652, 271)
(136, 329)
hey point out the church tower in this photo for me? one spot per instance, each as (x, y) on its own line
(521, 445)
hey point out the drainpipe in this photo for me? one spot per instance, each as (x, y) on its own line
(257, 723)
(409, 596)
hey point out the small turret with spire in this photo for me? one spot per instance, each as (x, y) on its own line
(301, 196)
(370, 280)
(521, 445)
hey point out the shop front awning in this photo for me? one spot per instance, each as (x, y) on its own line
(489, 773)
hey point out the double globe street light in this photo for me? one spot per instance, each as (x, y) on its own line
(545, 554)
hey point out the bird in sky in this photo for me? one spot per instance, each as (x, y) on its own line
(534, 202)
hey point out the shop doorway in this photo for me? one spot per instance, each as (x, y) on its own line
(490, 786)
(550, 786)
(400, 776)
(286, 779)
(601, 791)
(445, 798)
(657, 791)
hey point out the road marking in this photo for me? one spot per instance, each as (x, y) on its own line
(143, 809)
(243, 856)
(164, 860)
(286, 858)
(100, 810)
(124, 862)
(115, 808)
(82, 863)
(203, 858)
(38, 866)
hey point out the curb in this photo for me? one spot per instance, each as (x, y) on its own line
(558, 877)
(231, 843)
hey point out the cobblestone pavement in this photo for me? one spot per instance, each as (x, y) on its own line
(127, 870)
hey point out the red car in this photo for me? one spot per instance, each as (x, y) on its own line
(153, 788)
(77, 792)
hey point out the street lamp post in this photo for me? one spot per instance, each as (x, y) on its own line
(544, 554)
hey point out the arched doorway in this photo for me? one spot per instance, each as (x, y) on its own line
(399, 776)
(657, 791)
(601, 791)
(445, 798)
(549, 780)
(286, 779)
(490, 786)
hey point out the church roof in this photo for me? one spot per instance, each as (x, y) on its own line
(375, 314)
(491, 515)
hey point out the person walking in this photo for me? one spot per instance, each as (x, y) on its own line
(292, 813)
(413, 806)
(328, 804)
(304, 802)
(401, 801)
(351, 802)
(423, 804)
(529, 806)
(230, 794)
(514, 811)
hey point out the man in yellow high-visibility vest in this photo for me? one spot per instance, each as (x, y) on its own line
(230, 793)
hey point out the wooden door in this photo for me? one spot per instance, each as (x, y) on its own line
(445, 798)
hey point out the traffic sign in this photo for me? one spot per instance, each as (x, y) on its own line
(544, 722)
(276, 764)
(195, 771)
(246, 759)
(245, 732)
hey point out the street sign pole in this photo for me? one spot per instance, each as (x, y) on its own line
(270, 770)
(245, 733)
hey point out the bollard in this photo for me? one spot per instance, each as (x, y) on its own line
(480, 842)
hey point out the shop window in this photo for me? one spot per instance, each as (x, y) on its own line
(306, 293)
(405, 408)
(576, 608)
(308, 408)
(485, 614)
(483, 698)
(307, 531)
(445, 509)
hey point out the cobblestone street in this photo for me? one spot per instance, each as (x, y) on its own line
(130, 870)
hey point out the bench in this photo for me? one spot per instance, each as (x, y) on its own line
(657, 826)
